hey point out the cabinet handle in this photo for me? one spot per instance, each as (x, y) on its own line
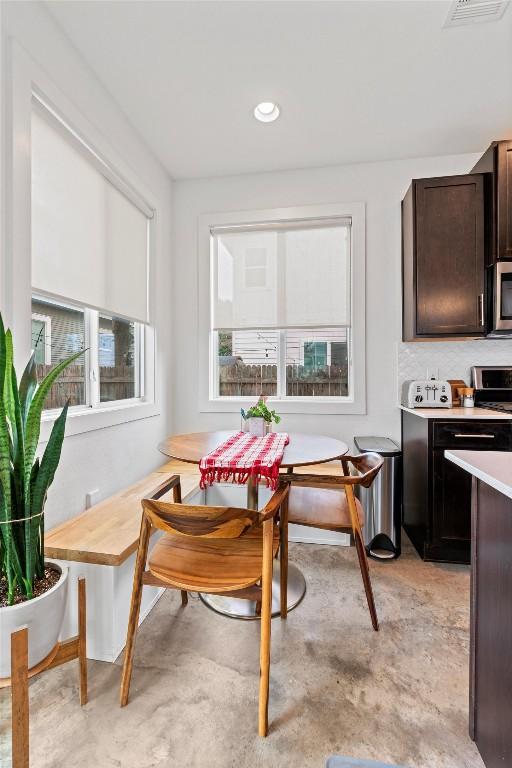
(481, 309)
(482, 437)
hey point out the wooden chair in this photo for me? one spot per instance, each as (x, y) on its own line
(218, 550)
(328, 502)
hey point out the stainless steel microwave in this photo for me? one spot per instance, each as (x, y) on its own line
(502, 296)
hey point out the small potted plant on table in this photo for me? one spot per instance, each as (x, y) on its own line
(32, 591)
(259, 418)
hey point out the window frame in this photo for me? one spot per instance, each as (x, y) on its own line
(29, 80)
(355, 403)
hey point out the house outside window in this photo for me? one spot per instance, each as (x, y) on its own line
(315, 355)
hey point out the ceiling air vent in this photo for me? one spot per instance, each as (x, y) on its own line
(472, 11)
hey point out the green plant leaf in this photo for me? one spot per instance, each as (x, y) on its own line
(43, 480)
(12, 565)
(28, 385)
(8, 393)
(3, 356)
(33, 422)
(49, 462)
(19, 452)
(5, 475)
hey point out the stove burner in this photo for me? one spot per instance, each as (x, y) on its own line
(496, 406)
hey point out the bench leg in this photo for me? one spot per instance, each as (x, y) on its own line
(184, 598)
(20, 706)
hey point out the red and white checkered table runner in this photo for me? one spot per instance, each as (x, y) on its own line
(245, 455)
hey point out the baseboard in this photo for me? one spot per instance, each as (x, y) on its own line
(142, 616)
(303, 535)
(151, 605)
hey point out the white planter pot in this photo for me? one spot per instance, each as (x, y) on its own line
(257, 426)
(43, 616)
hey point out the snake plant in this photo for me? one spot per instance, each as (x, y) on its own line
(24, 478)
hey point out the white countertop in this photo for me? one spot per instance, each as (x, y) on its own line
(457, 413)
(492, 467)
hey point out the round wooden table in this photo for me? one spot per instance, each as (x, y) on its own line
(301, 451)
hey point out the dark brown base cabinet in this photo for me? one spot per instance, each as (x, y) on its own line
(437, 493)
(491, 626)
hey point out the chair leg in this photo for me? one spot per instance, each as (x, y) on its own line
(365, 573)
(133, 621)
(283, 563)
(82, 641)
(184, 598)
(20, 705)
(266, 617)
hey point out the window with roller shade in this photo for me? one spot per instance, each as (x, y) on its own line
(90, 263)
(281, 309)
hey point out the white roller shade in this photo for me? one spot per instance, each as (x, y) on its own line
(89, 241)
(281, 276)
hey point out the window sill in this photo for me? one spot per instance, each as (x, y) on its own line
(331, 406)
(90, 419)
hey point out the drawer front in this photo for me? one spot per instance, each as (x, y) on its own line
(473, 435)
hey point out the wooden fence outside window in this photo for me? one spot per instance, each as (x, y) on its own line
(116, 383)
(240, 380)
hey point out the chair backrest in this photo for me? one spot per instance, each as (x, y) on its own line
(367, 466)
(189, 520)
(202, 520)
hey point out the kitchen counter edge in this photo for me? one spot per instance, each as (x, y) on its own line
(457, 413)
(492, 467)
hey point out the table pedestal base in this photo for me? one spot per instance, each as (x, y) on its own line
(246, 609)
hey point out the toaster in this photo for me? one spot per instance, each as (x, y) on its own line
(426, 394)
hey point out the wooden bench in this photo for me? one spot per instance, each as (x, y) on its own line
(100, 544)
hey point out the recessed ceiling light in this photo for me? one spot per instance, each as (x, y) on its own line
(266, 112)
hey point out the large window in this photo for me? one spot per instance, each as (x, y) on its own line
(281, 309)
(90, 261)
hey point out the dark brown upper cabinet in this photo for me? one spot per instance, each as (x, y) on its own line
(443, 258)
(496, 165)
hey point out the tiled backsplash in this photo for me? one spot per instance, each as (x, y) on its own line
(453, 360)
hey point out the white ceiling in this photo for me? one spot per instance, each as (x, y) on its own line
(356, 81)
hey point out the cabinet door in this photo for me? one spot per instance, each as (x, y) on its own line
(450, 530)
(449, 256)
(504, 207)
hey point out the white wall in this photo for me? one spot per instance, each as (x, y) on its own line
(381, 186)
(109, 458)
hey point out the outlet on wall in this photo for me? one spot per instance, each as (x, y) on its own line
(92, 498)
(432, 372)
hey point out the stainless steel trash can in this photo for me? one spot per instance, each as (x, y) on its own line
(382, 502)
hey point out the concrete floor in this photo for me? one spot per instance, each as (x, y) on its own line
(400, 695)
